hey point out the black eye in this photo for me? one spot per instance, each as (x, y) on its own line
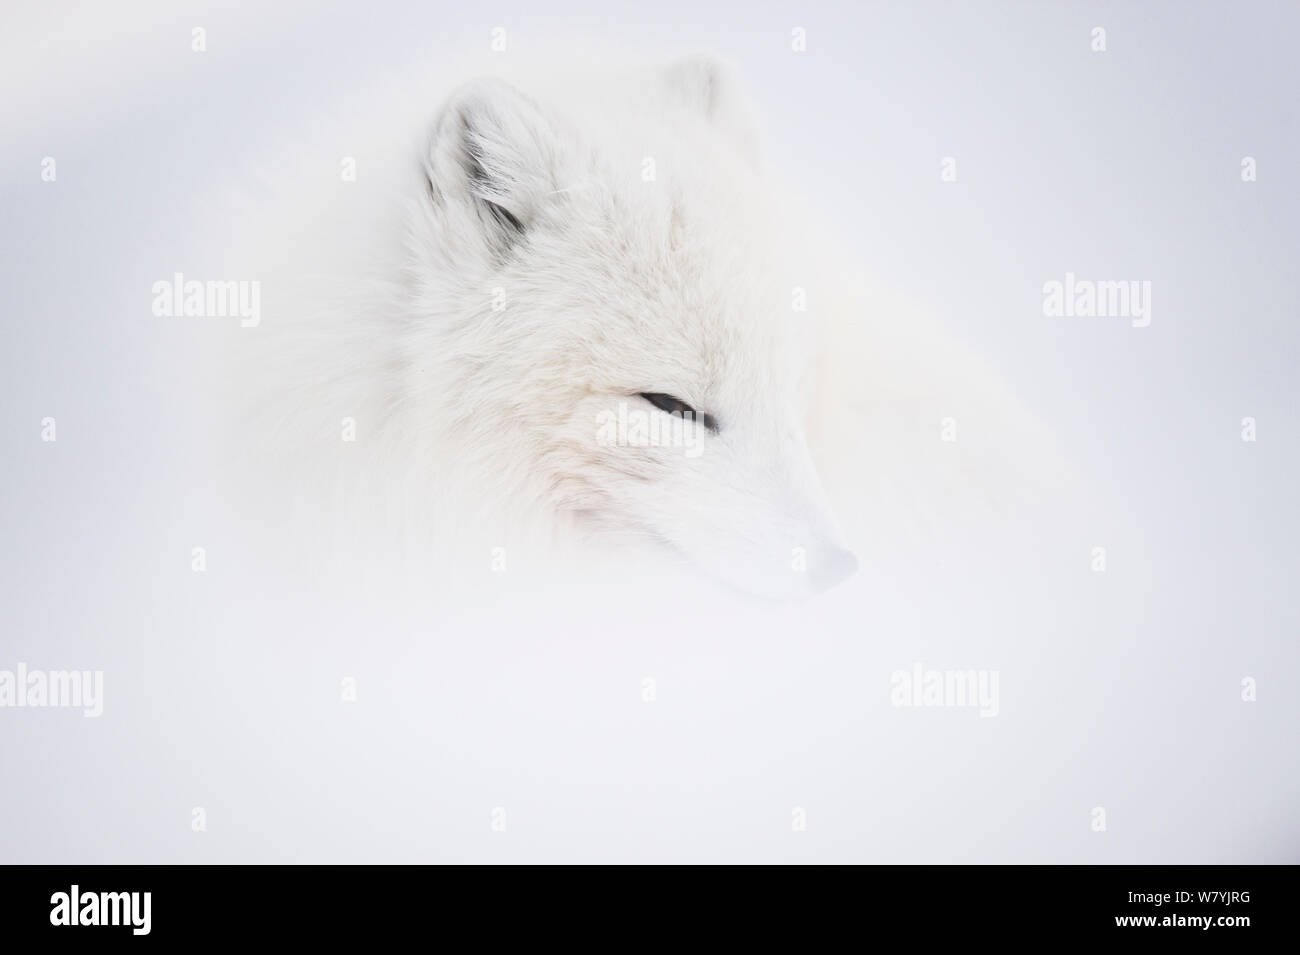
(678, 407)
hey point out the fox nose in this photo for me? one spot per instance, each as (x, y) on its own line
(833, 567)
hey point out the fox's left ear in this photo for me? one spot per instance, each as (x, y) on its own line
(709, 87)
(492, 160)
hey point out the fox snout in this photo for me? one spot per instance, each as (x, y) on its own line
(833, 565)
(791, 573)
(777, 538)
(784, 566)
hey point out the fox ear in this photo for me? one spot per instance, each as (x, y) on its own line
(493, 154)
(708, 86)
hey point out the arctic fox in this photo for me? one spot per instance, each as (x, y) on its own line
(581, 312)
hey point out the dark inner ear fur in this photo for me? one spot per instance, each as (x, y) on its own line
(506, 228)
(481, 182)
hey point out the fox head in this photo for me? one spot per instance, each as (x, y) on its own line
(613, 297)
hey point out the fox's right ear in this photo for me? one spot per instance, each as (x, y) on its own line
(492, 158)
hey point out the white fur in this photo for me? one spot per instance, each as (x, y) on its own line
(477, 427)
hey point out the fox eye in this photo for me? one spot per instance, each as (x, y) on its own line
(678, 407)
